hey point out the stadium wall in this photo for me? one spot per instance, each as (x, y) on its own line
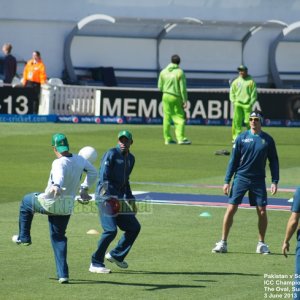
(46, 27)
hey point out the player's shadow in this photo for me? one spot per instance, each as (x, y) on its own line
(147, 286)
(158, 286)
(253, 253)
(185, 273)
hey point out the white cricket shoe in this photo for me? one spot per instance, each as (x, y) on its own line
(15, 239)
(184, 142)
(121, 264)
(221, 247)
(262, 248)
(102, 270)
(63, 280)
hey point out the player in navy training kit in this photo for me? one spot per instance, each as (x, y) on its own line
(116, 205)
(291, 227)
(247, 164)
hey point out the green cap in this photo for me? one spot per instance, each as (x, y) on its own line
(242, 68)
(60, 142)
(126, 134)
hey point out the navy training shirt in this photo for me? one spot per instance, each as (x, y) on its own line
(249, 156)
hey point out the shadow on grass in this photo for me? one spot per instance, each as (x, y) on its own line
(258, 254)
(147, 286)
(186, 273)
(153, 286)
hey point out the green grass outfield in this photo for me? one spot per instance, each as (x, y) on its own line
(172, 257)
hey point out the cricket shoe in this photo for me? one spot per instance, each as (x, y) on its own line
(99, 270)
(15, 239)
(222, 152)
(63, 280)
(185, 142)
(121, 264)
(171, 142)
(262, 248)
(221, 247)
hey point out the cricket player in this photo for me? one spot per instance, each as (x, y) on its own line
(247, 166)
(172, 84)
(116, 205)
(291, 227)
(57, 201)
(243, 94)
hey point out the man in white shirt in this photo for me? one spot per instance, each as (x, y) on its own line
(57, 201)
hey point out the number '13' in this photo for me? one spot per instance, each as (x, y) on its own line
(23, 105)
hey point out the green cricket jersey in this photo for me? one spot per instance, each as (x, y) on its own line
(243, 91)
(172, 81)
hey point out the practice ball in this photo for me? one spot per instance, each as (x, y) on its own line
(89, 153)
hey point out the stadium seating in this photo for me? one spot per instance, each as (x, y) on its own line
(132, 77)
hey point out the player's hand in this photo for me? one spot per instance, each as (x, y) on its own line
(273, 188)
(226, 188)
(55, 191)
(285, 248)
(244, 106)
(84, 195)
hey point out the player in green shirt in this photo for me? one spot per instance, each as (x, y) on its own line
(243, 94)
(172, 83)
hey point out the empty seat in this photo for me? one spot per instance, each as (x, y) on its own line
(55, 81)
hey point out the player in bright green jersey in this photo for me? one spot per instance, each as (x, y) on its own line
(172, 83)
(243, 94)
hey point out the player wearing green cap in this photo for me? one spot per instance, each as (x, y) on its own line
(243, 94)
(172, 83)
(116, 205)
(57, 201)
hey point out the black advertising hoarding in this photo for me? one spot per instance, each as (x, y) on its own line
(143, 106)
(19, 101)
(280, 108)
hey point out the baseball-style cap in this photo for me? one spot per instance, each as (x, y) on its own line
(257, 114)
(60, 142)
(126, 134)
(242, 68)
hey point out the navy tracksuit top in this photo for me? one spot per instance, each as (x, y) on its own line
(249, 156)
(114, 174)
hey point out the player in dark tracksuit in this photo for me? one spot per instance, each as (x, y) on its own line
(251, 150)
(291, 227)
(116, 205)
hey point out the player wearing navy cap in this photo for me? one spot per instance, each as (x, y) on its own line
(247, 166)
